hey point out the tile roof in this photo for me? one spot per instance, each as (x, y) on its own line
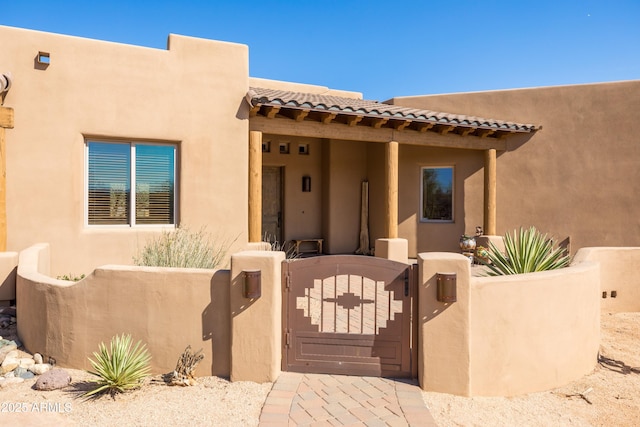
(259, 97)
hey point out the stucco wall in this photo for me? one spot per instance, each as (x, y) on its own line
(618, 272)
(191, 94)
(533, 332)
(468, 197)
(578, 176)
(8, 269)
(507, 335)
(166, 308)
(344, 169)
(302, 215)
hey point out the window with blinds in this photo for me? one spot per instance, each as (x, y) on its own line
(130, 183)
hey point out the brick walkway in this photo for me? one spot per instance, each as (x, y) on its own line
(335, 400)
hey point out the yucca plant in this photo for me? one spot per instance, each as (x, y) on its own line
(526, 251)
(183, 248)
(120, 368)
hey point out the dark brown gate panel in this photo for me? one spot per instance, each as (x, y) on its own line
(347, 314)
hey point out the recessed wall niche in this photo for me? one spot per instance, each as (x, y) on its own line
(284, 148)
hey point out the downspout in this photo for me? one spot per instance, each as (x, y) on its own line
(6, 122)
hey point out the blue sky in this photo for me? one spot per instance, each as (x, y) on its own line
(380, 48)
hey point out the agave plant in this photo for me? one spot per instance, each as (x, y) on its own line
(120, 368)
(526, 251)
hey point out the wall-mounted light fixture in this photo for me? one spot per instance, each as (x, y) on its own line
(447, 287)
(306, 184)
(252, 283)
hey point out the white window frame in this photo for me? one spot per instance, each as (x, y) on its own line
(132, 199)
(453, 195)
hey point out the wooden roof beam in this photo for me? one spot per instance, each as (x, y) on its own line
(423, 127)
(483, 133)
(401, 125)
(271, 111)
(466, 131)
(254, 111)
(328, 117)
(504, 133)
(378, 122)
(6, 118)
(299, 115)
(446, 129)
(353, 120)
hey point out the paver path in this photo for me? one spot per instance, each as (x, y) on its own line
(334, 400)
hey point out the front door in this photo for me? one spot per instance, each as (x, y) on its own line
(272, 203)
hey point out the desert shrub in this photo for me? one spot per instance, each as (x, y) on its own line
(526, 251)
(277, 246)
(183, 248)
(119, 368)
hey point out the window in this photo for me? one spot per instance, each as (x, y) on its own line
(115, 168)
(437, 194)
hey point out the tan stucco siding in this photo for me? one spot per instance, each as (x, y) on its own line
(468, 196)
(165, 308)
(191, 95)
(579, 175)
(302, 214)
(344, 169)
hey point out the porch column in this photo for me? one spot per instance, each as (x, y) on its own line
(255, 186)
(391, 205)
(6, 122)
(490, 192)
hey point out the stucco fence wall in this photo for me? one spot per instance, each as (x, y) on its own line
(166, 308)
(619, 268)
(503, 336)
(506, 335)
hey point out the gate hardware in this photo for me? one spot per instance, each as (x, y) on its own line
(447, 287)
(406, 282)
(252, 283)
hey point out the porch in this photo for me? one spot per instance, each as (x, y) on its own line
(322, 148)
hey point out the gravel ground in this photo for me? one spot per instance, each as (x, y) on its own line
(216, 402)
(212, 402)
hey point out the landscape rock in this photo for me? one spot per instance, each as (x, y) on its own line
(25, 362)
(26, 375)
(10, 381)
(53, 380)
(37, 357)
(13, 354)
(23, 373)
(40, 368)
(9, 364)
(6, 349)
(19, 371)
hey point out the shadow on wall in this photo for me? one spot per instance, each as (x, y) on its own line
(215, 316)
(166, 308)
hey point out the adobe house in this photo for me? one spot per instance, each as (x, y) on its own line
(198, 142)
(107, 145)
